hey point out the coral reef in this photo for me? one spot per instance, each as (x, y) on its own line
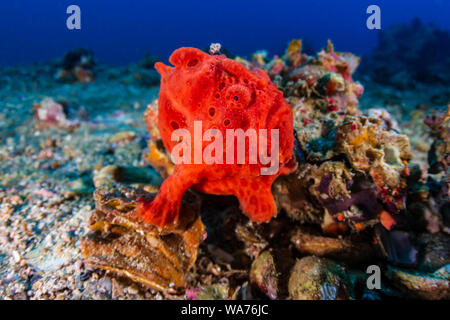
(354, 180)
(76, 66)
(79, 66)
(410, 53)
(352, 167)
(351, 200)
(407, 75)
(371, 188)
(428, 187)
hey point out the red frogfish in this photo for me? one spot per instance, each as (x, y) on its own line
(228, 129)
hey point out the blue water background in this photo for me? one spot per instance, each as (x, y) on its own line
(121, 32)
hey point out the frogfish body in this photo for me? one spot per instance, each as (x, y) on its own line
(219, 94)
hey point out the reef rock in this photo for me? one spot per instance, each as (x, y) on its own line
(76, 66)
(352, 168)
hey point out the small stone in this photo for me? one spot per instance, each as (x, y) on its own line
(132, 290)
(16, 256)
(314, 278)
(264, 274)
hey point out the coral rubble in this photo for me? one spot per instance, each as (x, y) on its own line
(353, 167)
(121, 242)
(49, 113)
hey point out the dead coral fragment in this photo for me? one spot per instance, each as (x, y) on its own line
(425, 286)
(294, 53)
(49, 113)
(120, 242)
(341, 249)
(157, 155)
(122, 138)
